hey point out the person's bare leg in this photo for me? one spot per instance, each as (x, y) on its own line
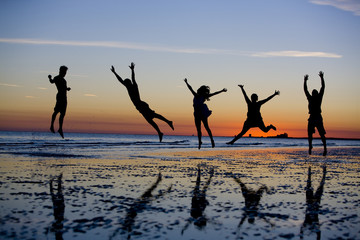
(243, 131)
(53, 117)
(198, 129)
(323, 139)
(155, 126)
(170, 123)
(61, 121)
(206, 125)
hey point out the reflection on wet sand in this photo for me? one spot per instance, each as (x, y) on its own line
(311, 221)
(199, 202)
(251, 210)
(139, 205)
(58, 207)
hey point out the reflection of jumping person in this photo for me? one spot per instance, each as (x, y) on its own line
(201, 111)
(313, 205)
(58, 206)
(199, 202)
(315, 120)
(254, 118)
(61, 99)
(141, 106)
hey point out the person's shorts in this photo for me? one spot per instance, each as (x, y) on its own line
(316, 122)
(145, 110)
(60, 107)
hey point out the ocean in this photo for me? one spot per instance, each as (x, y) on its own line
(112, 186)
(118, 146)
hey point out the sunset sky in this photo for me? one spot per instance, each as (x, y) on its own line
(266, 45)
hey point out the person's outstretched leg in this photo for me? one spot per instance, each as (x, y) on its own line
(206, 125)
(170, 123)
(53, 117)
(155, 126)
(243, 131)
(266, 129)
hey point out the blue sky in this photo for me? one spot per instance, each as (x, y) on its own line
(263, 44)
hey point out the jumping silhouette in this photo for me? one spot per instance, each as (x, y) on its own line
(315, 120)
(140, 105)
(58, 207)
(254, 118)
(311, 221)
(199, 202)
(61, 99)
(201, 110)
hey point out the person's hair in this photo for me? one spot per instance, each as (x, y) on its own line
(63, 68)
(254, 97)
(204, 91)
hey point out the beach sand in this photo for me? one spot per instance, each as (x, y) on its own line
(207, 194)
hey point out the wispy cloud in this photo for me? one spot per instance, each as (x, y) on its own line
(31, 97)
(42, 88)
(144, 47)
(296, 54)
(89, 95)
(9, 85)
(346, 5)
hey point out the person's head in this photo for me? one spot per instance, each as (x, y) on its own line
(254, 97)
(204, 91)
(127, 82)
(314, 93)
(63, 70)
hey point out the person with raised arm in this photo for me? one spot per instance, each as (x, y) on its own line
(315, 120)
(61, 99)
(254, 118)
(201, 110)
(140, 105)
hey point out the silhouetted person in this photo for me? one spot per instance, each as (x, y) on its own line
(315, 120)
(141, 106)
(199, 202)
(58, 207)
(139, 205)
(254, 118)
(201, 110)
(313, 205)
(61, 99)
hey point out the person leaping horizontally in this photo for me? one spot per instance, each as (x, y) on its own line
(254, 118)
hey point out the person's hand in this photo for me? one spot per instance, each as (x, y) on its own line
(224, 90)
(241, 86)
(321, 74)
(185, 80)
(132, 66)
(49, 77)
(113, 69)
(68, 89)
(277, 92)
(306, 77)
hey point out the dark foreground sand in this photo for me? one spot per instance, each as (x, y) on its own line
(211, 194)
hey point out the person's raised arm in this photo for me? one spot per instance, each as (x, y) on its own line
(322, 89)
(190, 88)
(244, 93)
(306, 78)
(215, 93)
(270, 97)
(50, 79)
(132, 67)
(117, 76)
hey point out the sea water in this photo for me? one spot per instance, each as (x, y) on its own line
(118, 146)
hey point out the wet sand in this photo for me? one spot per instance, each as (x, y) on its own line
(209, 194)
